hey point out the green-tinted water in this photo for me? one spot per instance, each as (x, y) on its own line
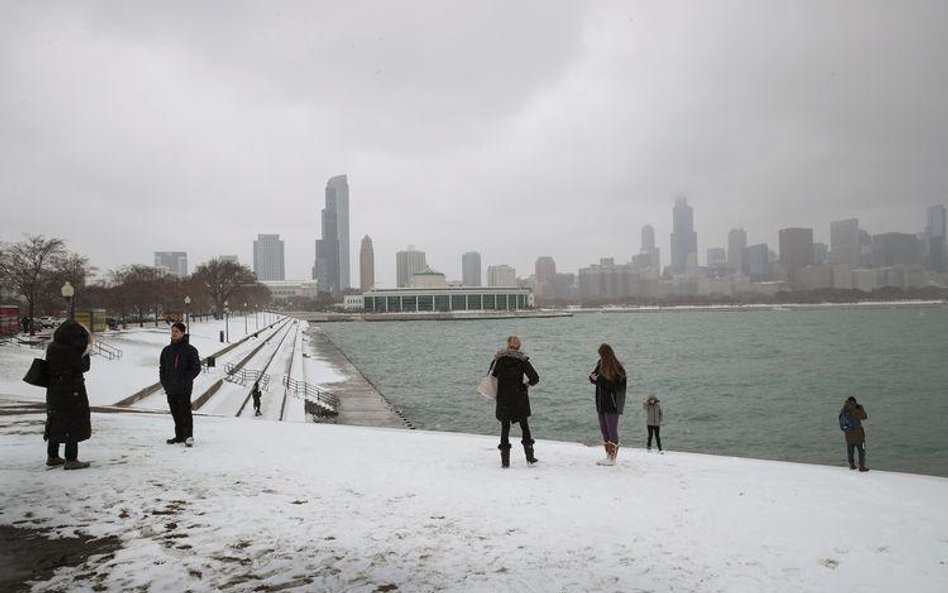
(765, 384)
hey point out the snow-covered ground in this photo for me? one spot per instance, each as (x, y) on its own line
(261, 505)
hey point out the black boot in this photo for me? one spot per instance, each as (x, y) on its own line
(528, 451)
(504, 455)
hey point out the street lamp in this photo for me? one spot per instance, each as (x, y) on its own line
(226, 323)
(187, 311)
(256, 320)
(245, 319)
(68, 292)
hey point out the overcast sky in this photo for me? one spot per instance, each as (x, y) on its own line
(517, 129)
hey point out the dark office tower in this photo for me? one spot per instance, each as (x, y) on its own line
(892, 249)
(268, 261)
(684, 239)
(471, 269)
(935, 234)
(545, 277)
(736, 242)
(408, 263)
(796, 249)
(332, 250)
(844, 243)
(366, 265)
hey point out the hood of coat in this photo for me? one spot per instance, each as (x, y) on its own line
(73, 334)
(651, 400)
(511, 354)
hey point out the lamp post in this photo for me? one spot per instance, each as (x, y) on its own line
(256, 320)
(245, 319)
(226, 323)
(68, 292)
(187, 311)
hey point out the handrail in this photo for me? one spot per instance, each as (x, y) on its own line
(303, 390)
(243, 376)
(106, 350)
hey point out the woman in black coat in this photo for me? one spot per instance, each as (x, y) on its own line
(610, 381)
(67, 404)
(510, 366)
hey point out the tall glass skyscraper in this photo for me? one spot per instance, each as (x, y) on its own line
(366, 265)
(471, 269)
(332, 250)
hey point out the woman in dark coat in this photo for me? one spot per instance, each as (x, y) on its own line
(610, 381)
(510, 366)
(856, 438)
(67, 405)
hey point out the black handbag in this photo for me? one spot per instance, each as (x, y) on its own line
(38, 374)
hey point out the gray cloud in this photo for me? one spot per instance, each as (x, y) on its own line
(516, 129)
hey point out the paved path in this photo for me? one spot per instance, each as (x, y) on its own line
(360, 402)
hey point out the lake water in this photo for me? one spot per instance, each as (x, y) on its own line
(762, 383)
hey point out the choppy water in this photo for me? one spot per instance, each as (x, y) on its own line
(765, 384)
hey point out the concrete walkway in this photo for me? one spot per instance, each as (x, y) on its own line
(360, 402)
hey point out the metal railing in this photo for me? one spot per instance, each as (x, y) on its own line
(326, 404)
(106, 350)
(244, 376)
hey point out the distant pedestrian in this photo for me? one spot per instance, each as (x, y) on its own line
(610, 381)
(653, 421)
(179, 365)
(67, 404)
(514, 374)
(255, 394)
(850, 422)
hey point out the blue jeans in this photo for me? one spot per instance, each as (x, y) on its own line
(609, 426)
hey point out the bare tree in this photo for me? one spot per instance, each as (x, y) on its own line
(35, 268)
(222, 280)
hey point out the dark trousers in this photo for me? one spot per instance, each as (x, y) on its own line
(180, 405)
(609, 427)
(654, 430)
(72, 450)
(527, 439)
(851, 450)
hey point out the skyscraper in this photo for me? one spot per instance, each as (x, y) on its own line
(937, 236)
(736, 242)
(268, 261)
(471, 269)
(408, 262)
(332, 250)
(176, 262)
(650, 255)
(366, 264)
(844, 243)
(545, 277)
(684, 239)
(796, 249)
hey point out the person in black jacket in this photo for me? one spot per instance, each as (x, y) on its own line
(178, 366)
(510, 366)
(610, 381)
(255, 394)
(67, 404)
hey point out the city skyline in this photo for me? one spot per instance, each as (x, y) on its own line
(499, 133)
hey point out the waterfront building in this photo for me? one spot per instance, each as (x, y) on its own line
(501, 275)
(268, 263)
(471, 268)
(332, 250)
(402, 300)
(684, 239)
(172, 262)
(427, 278)
(736, 242)
(814, 277)
(890, 249)
(937, 239)
(284, 290)
(796, 250)
(408, 262)
(717, 257)
(366, 264)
